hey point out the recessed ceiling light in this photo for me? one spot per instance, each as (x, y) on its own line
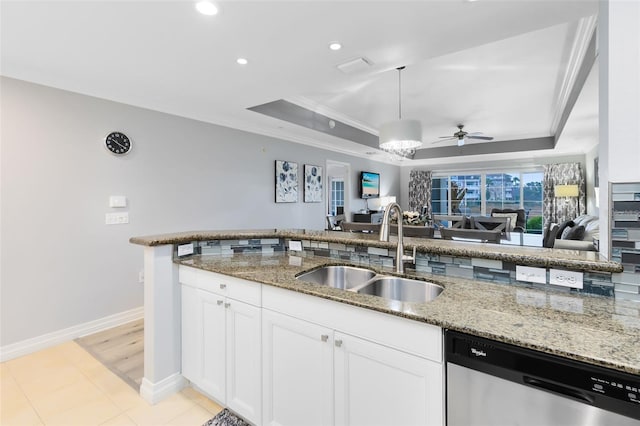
(242, 61)
(206, 8)
(335, 46)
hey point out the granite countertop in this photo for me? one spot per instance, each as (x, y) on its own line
(531, 256)
(597, 330)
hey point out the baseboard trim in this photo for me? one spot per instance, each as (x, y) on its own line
(156, 392)
(44, 341)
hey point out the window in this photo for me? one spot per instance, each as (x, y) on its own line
(439, 198)
(336, 204)
(478, 194)
(466, 198)
(532, 200)
(502, 191)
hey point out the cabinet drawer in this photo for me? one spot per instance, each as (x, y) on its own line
(414, 337)
(223, 285)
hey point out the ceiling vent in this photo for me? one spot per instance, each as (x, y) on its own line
(354, 66)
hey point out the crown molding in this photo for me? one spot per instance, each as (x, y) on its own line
(585, 31)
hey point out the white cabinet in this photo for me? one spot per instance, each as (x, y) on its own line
(378, 385)
(204, 340)
(282, 358)
(317, 374)
(244, 370)
(298, 372)
(221, 339)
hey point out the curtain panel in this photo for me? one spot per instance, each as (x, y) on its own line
(556, 210)
(420, 190)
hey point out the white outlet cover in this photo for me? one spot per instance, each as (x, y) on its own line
(566, 278)
(530, 274)
(116, 218)
(185, 249)
(295, 245)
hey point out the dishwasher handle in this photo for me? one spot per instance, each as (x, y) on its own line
(553, 387)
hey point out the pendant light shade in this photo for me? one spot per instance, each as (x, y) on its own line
(401, 134)
(400, 137)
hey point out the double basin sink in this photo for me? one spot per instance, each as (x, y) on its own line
(365, 281)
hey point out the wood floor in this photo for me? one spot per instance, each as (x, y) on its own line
(120, 349)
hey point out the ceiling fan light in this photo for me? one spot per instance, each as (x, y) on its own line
(400, 135)
(460, 141)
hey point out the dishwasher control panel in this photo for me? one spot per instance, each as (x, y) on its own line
(616, 388)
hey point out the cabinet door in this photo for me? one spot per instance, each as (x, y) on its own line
(244, 380)
(297, 372)
(377, 385)
(191, 332)
(212, 349)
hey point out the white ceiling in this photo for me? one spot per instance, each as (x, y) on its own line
(497, 66)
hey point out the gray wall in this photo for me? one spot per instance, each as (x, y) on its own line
(60, 264)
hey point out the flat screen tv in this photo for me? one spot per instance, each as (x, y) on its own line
(369, 185)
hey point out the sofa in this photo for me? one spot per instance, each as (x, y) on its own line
(576, 234)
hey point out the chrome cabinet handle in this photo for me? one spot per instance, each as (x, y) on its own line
(338, 343)
(324, 337)
(220, 302)
(223, 286)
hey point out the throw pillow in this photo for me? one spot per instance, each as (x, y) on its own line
(575, 233)
(562, 227)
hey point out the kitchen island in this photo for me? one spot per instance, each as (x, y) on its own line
(598, 330)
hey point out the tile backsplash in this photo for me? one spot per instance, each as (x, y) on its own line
(620, 285)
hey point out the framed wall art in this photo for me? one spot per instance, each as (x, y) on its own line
(286, 182)
(312, 183)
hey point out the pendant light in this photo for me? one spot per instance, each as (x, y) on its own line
(401, 137)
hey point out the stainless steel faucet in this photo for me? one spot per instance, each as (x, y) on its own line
(384, 236)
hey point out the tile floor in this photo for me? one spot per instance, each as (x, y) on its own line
(65, 385)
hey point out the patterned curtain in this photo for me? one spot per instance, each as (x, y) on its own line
(556, 210)
(420, 191)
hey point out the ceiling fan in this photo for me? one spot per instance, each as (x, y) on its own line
(461, 135)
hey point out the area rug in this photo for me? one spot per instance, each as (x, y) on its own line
(227, 418)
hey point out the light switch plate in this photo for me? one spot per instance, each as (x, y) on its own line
(117, 201)
(565, 278)
(295, 245)
(530, 274)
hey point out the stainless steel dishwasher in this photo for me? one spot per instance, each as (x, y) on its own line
(492, 383)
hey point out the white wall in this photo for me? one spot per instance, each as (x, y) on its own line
(60, 264)
(619, 51)
(590, 156)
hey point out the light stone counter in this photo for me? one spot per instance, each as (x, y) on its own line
(598, 330)
(530, 256)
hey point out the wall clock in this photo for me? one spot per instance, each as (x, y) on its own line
(117, 143)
